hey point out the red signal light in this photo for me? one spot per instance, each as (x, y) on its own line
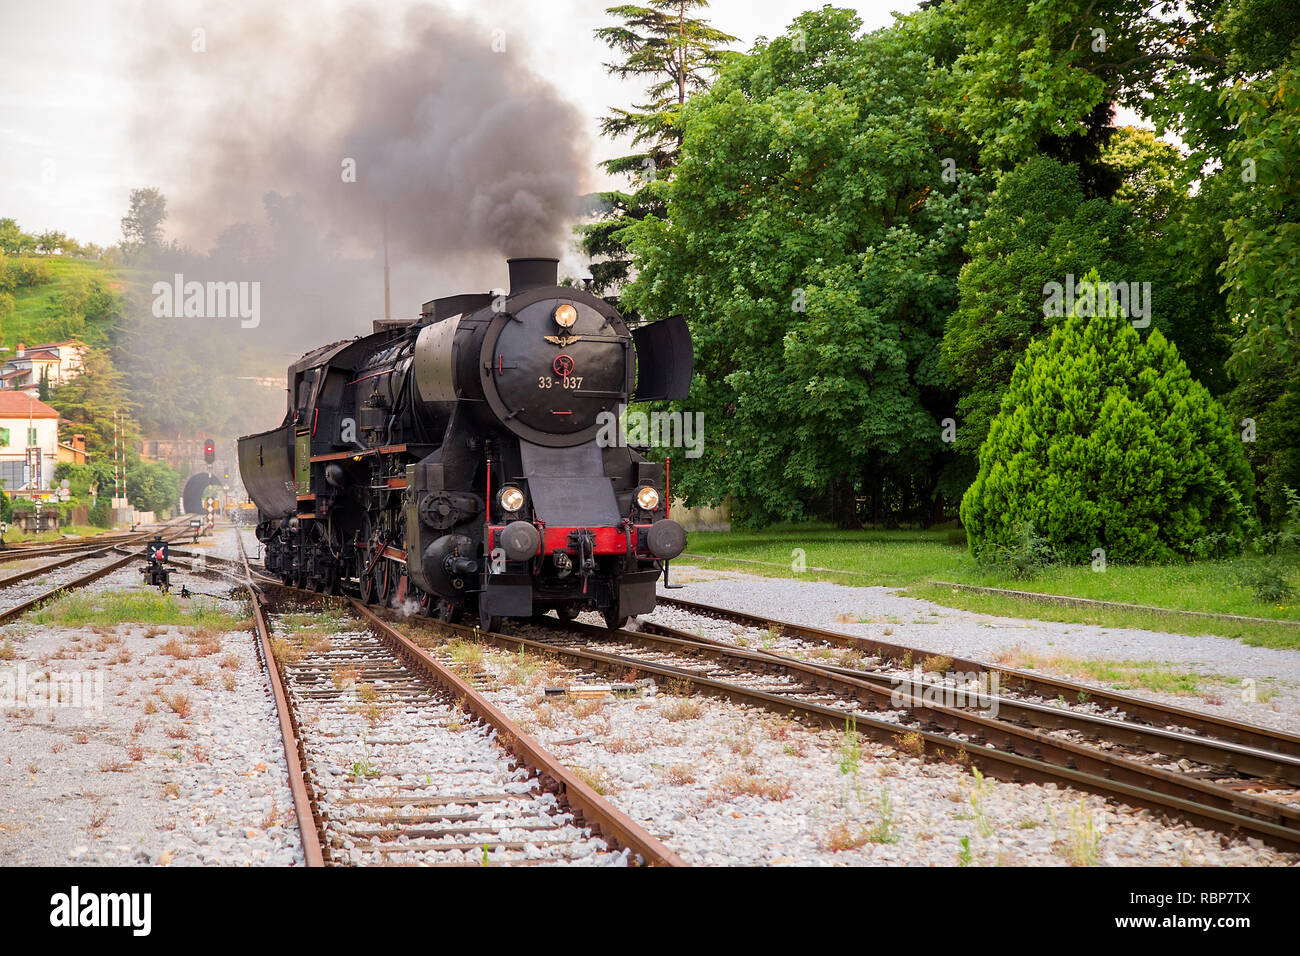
(209, 451)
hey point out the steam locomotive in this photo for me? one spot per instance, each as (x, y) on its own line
(462, 461)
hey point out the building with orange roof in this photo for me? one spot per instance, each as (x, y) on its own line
(56, 362)
(29, 443)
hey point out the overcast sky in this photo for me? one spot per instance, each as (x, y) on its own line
(67, 159)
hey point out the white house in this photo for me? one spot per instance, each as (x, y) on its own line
(27, 423)
(55, 361)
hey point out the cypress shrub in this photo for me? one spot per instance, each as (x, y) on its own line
(1104, 440)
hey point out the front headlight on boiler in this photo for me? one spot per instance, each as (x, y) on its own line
(512, 499)
(565, 316)
(647, 499)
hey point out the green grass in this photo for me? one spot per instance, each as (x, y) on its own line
(1248, 632)
(912, 559)
(115, 607)
(15, 536)
(39, 314)
(1121, 675)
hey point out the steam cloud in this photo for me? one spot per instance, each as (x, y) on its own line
(467, 155)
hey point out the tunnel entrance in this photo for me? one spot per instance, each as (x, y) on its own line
(192, 496)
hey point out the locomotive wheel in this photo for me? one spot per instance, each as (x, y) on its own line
(383, 582)
(488, 622)
(448, 611)
(367, 582)
(614, 619)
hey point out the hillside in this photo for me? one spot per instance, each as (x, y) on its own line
(71, 298)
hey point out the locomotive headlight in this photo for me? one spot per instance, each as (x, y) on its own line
(512, 499)
(647, 499)
(565, 316)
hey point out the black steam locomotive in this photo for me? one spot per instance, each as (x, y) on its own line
(462, 460)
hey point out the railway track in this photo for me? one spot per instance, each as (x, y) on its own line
(17, 599)
(999, 748)
(1166, 745)
(1234, 786)
(21, 552)
(894, 658)
(396, 760)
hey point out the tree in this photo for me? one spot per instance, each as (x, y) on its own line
(1106, 441)
(90, 400)
(1265, 408)
(13, 241)
(676, 55)
(823, 240)
(50, 242)
(152, 486)
(143, 222)
(1262, 268)
(1038, 228)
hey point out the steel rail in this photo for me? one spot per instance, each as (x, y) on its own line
(37, 572)
(1049, 688)
(1006, 735)
(596, 812)
(1046, 759)
(1212, 752)
(310, 828)
(26, 552)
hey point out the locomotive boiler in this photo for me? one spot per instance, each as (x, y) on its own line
(460, 461)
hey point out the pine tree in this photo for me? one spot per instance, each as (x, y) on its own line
(677, 54)
(1106, 441)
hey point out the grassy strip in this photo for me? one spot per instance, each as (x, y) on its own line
(1283, 636)
(1130, 674)
(116, 607)
(911, 559)
(54, 535)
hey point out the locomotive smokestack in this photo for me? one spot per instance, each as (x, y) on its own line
(532, 273)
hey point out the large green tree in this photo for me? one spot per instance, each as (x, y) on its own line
(813, 238)
(675, 54)
(1038, 229)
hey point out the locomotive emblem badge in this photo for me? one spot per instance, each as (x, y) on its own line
(563, 365)
(562, 340)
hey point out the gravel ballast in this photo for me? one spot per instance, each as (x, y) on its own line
(1257, 685)
(140, 782)
(725, 784)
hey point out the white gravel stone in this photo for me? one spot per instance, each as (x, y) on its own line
(125, 785)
